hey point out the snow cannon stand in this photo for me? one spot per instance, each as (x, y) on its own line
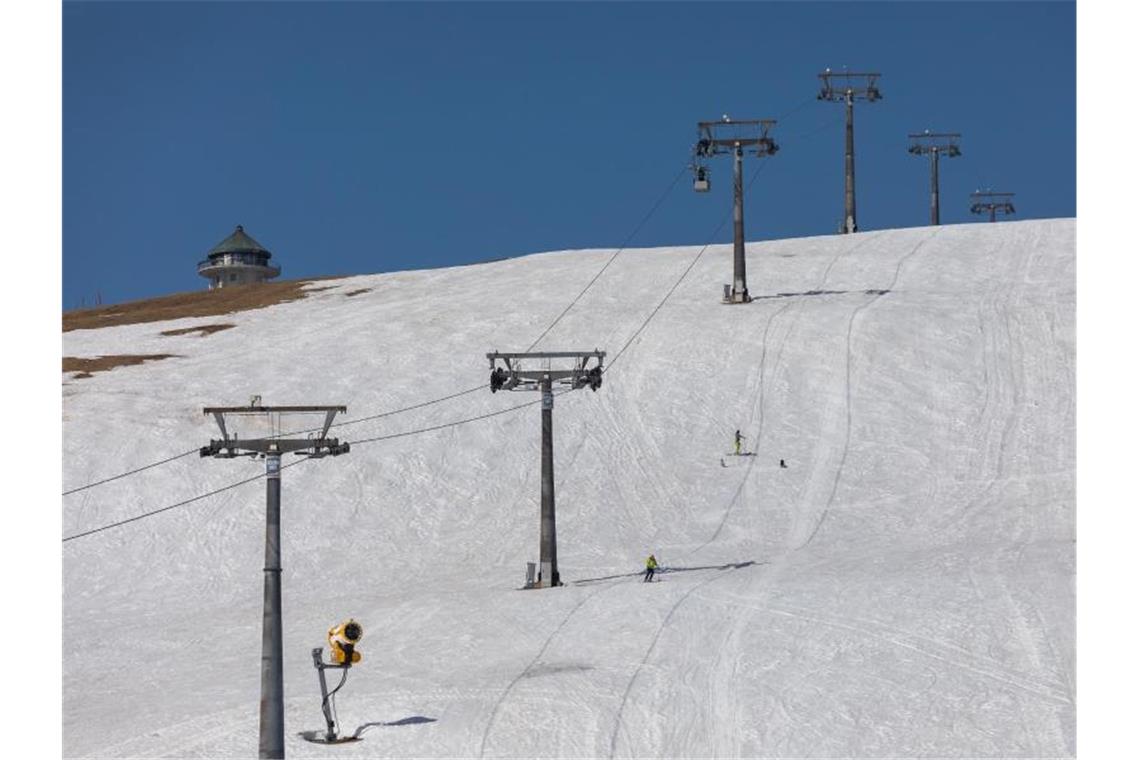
(342, 652)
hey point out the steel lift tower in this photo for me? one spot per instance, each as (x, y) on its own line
(985, 200)
(935, 144)
(847, 87)
(535, 371)
(271, 743)
(716, 138)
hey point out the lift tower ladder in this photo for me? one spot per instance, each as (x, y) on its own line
(987, 201)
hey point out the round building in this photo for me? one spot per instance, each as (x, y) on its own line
(237, 260)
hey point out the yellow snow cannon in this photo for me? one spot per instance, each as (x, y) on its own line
(342, 642)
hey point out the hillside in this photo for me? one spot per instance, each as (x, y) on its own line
(198, 303)
(904, 587)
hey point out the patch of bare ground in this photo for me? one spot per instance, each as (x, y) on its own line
(86, 367)
(202, 330)
(200, 303)
(352, 293)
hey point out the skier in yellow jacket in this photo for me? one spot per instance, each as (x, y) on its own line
(650, 568)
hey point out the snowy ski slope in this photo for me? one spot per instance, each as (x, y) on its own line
(904, 588)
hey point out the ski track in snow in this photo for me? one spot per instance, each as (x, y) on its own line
(847, 388)
(758, 407)
(904, 588)
(648, 653)
(530, 666)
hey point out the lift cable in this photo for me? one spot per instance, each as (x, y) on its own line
(784, 116)
(130, 472)
(182, 503)
(454, 423)
(481, 386)
(673, 288)
(440, 426)
(259, 476)
(423, 404)
(724, 221)
(621, 248)
(297, 432)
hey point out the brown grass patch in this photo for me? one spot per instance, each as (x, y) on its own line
(352, 293)
(202, 330)
(85, 367)
(200, 303)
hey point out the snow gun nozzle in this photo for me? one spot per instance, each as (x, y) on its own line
(342, 643)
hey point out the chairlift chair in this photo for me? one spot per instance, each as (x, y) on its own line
(701, 180)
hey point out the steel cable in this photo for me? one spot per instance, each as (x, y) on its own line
(441, 399)
(441, 426)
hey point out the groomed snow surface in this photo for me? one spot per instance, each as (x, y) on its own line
(904, 588)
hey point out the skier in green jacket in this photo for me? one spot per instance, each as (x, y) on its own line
(650, 568)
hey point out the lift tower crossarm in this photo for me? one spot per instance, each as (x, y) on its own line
(866, 89)
(271, 409)
(945, 140)
(544, 355)
(219, 411)
(227, 446)
(988, 201)
(515, 376)
(715, 144)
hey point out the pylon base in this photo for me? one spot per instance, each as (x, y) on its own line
(320, 737)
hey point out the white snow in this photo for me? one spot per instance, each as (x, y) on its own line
(904, 588)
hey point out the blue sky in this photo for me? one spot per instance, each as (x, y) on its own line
(366, 137)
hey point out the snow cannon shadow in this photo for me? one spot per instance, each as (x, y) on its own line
(671, 569)
(409, 721)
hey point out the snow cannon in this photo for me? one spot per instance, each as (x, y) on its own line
(342, 651)
(342, 643)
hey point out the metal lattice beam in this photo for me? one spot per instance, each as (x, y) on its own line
(514, 375)
(991, 202)
(840, 86)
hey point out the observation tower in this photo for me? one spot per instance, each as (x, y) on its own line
(237, 260)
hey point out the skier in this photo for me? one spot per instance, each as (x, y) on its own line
(650, 568)
(737, 439)
(783, 465)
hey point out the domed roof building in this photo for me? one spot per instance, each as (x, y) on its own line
(237, 260)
